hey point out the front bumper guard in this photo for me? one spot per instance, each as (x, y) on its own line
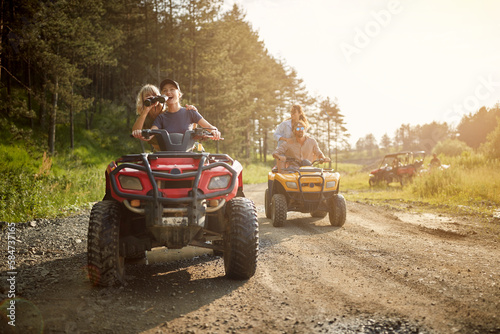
(156, 199)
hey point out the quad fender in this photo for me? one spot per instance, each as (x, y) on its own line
(270, 185)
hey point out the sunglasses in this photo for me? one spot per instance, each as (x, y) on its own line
(300, 128)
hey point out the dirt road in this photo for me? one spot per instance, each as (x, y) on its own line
(385, 271)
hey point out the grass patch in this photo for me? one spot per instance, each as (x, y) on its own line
(471, 185)
(57, 188)
(255, 173)
(34, 185)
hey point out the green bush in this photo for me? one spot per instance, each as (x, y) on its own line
(16, 159)
(438, 183)
(451, 147)
(25, 195)
(492, 146)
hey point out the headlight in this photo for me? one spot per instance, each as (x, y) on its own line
(219, 182)
(330, 184)
(130, 182)
(291, 185)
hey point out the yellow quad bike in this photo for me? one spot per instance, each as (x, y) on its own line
(306, 189)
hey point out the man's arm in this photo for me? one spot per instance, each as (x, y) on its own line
(317, 151)
(322, 156)
(280, 151)
(279, 155)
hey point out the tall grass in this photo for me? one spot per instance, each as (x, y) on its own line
(33, 185)
(472, 182)
(462, 184)
(41, 187)
(255, 173)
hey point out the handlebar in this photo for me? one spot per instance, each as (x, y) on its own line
(305, 162)
(199, 134)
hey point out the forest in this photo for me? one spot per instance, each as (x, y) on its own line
(76, 66)
(70, 67)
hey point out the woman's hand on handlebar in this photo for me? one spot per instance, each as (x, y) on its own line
(216, 134)
(138, 134)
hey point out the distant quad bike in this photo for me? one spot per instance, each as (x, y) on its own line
(399, 167)
(172, 198)
(306, 189)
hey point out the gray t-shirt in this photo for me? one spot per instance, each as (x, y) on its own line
(177, 122)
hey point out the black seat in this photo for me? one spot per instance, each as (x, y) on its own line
(176, 142)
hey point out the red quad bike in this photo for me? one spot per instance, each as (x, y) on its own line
(172, 198)
(398, 167)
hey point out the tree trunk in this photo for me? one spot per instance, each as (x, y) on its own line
(328, 143)
(53, 114)
(157, 47)
(260, 149)
(248, 145)
(1, 37)
(265, 145)
(71, 121)
(5, 14)
(28, 74)
(42, 111)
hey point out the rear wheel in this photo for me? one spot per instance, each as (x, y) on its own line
(337, 212)
(267, 204)
(241, 239)
(278, 210)
(105, 265)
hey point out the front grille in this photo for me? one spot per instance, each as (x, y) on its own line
(308, 184)
(171, 184)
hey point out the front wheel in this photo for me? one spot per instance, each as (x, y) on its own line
(337, 212)
(105, 265)
(278, 210)
(267, 204)
(241, 239)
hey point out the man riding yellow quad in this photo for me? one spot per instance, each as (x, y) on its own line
(296, 185)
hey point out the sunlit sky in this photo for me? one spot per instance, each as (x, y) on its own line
(387, 62)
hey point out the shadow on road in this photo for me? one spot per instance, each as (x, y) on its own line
(56, 296)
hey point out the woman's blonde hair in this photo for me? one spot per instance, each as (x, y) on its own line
(302, 116)
(145, 90)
